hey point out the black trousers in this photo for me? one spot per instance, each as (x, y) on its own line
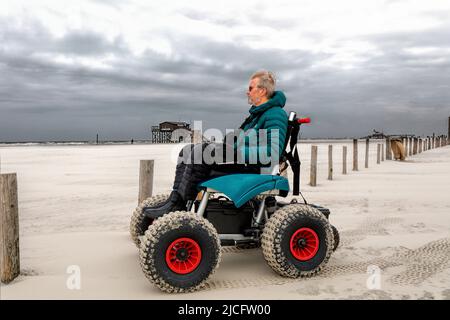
(192, 167)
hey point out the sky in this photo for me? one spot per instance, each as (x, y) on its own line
(72, 69)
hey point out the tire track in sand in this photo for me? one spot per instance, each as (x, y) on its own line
(371, 226)
(423, 262)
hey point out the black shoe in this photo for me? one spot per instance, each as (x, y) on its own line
(174, 203)
(158, 205)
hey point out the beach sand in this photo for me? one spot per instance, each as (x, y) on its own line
(75, 204)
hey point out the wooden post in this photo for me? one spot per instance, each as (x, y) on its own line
(344, 160)
(355, 154)
(409, 147)
(382, 152)
(405, 144)
(415, 146)
(448, 134)
(388, 149)
(367, 154)
(434, 141)
(9, 228)
(378, 153)
(429, 143)
(330, 162)
(313, 171)
(420, 145)
(145, 180)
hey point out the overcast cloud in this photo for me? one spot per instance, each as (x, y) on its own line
(72, 69)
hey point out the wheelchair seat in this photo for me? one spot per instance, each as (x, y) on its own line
(240, 188)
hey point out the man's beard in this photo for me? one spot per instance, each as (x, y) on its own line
(251, 102)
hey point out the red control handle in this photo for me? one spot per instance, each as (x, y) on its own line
(304, 120)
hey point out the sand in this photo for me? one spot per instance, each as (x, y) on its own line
(75, 204)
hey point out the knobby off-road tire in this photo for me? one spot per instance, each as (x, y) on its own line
(336, 236)
(139, 222)
(282, 233)
(164, 241)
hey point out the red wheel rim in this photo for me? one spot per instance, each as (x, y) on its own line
(304, 244)
(183, 255)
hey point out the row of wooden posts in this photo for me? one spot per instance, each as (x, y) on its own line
(9, 210)
(412, 146)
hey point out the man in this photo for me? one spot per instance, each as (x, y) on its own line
(266, 113)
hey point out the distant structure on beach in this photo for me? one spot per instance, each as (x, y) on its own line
(177, 132)
(171, 132)
(376, 135)
(380, 135)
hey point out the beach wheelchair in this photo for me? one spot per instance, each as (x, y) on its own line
(179, 251)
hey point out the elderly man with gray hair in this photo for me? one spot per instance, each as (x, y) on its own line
(266, 115)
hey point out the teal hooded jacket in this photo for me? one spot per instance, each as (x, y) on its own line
(255, 145)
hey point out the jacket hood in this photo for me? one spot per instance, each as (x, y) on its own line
(278, 100)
